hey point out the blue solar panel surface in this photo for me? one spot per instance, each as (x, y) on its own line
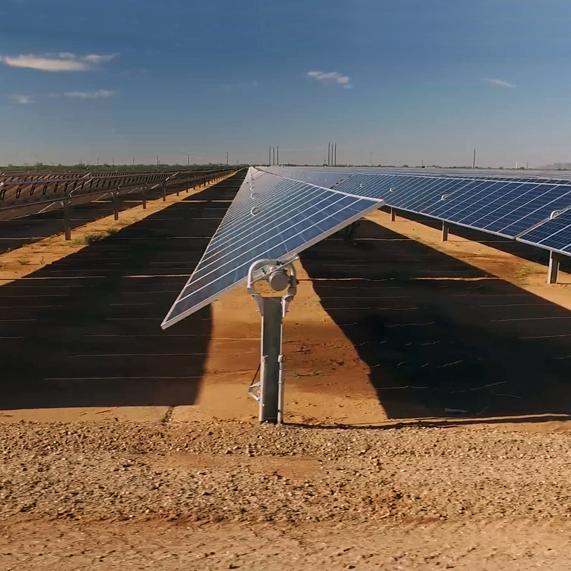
(553, 234)
(270, 217)
(505, 205)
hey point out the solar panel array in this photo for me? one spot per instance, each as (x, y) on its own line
(28, 193)
(280, 211)
(270, 217)
(506, 206)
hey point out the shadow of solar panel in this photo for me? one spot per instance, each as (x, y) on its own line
(270, 217)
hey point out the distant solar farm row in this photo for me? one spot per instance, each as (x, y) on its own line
(22, 194)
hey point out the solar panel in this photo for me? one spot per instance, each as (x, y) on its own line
(503, 205)
(554, 233)
(270, 217)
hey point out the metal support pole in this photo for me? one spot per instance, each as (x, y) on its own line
(393, 214)
(66, 204)
(445, 229)
(280, 277)
(144, 197)
(164, 190)
(115, 201)
(553, 269)
(271, 380)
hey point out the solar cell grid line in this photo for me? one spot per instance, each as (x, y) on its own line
(531, 198)
(515, 193)
(365, 185)
(422, 203)
(233, 224)
(412, 189)
(280, 209)
(276, 245)
(328, 180)
(375, 186)
(428, 209)
(260, 201)
(243, 200)
(262, 230)
(430, 194)
(554, 234)
(533, 207)
(234, 229)
(458, 200)
(395, 185)
(323, 213)
(480, 199)
(494, 198)
(535, 211)
(405, 188)
(447, 207)
(260, 226)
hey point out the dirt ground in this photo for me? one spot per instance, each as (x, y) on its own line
(427, 404)
(235, 495)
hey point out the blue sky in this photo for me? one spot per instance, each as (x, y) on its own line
(397, 81)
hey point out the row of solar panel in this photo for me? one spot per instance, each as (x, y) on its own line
(526, 209)
(323, 177)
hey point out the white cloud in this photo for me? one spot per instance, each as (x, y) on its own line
(499, 82)
(21, 99)
(331, 77)
(60, 62)
(99, 94)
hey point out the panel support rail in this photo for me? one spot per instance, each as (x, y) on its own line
(264, 277)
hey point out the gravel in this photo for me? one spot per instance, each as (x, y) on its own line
(208, 495)
(208, 472)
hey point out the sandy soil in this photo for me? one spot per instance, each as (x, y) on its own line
(230, 495)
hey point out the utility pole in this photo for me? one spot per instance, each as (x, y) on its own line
(474, 159)
(335, 154)
(226, 158)
(328, 154)
(278, 155)
(187, 160)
